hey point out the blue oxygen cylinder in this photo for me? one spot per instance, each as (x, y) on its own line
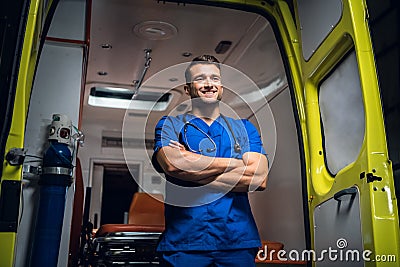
(54, 181)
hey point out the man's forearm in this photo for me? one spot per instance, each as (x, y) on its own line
(237, 181)
(224, 173)
(234, 180)
(189, 166)
(252, 176)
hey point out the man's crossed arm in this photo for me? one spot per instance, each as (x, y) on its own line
(244, 175)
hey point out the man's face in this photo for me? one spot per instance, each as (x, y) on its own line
(206, 83)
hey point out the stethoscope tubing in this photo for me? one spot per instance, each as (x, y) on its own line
(237, 147)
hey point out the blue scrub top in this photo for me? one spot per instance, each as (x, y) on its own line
(225, 223)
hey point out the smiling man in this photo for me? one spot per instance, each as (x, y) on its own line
(214, 160)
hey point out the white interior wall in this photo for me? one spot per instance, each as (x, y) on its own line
(69, 20)
(56, 89)
(63, 65)
(278, 210)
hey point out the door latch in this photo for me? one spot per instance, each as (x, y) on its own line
(370, 177)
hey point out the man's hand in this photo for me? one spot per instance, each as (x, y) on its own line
(177, 145)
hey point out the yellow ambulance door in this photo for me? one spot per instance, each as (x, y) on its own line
(352, 204)
(22, 23)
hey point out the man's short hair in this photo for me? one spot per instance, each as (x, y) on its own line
(204, 59)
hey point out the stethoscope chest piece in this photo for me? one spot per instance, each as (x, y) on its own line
(237, 148)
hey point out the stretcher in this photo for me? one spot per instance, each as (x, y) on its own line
(135, 243)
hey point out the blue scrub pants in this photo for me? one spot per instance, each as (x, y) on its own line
(221, 258)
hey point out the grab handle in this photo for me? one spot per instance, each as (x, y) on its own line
(339, 196)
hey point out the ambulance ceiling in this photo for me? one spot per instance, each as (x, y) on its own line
(121, 31)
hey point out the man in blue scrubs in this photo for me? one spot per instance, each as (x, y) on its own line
(211, 162)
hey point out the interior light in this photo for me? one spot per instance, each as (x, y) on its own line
(121, 98)
(266, 91)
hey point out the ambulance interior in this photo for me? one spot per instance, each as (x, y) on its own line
(97, 54)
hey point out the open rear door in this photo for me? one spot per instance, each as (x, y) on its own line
(21, 27)
(352, 204)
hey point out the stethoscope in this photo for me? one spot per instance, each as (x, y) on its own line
(236, 147)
